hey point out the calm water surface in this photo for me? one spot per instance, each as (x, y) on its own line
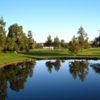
(51, 80)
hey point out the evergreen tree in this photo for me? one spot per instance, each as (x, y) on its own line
(74, 46)
(56, 42)
(2, 34)
(63, 44)
(31, 41)
(49, 41)
(83, 39)
(96, 42)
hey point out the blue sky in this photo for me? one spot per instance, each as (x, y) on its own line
(60, 18)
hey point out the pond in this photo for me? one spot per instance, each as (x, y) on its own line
(51, 80)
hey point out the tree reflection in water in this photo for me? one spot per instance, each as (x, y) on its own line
(3, 85)
(55, 64)
(16, 75)
(79, 69)
(96, 67)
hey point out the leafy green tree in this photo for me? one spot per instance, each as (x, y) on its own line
(49, 41)
(39, 45)
(74, 46)
(96, 42)
(63, 44)
(2, 34)
(56, 42)
(10, 44)
(17, 37)
(31, 41)
(83, 39)
(24, 43)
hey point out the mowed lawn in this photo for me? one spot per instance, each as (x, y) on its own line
(92, 51)
(11, 57)
(42, 53)
(48, 54)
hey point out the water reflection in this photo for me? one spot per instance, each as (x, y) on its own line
(16, 75)
(3, 85)
(96, 67)
(55, 64)
(79, 69)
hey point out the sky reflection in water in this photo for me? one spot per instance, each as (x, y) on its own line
(51, 80)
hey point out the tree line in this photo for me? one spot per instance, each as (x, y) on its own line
(76, 44)
(17, 40)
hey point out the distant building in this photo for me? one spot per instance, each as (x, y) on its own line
(51, 47)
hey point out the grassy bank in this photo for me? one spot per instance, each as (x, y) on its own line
(10, 57)
(49, 54)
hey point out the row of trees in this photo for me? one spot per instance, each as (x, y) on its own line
(77, 43)
(56, 43)
(16, 39)
(80, 42)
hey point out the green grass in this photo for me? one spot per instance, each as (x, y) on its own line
(41, 53)
(10, 57)
(49, 54)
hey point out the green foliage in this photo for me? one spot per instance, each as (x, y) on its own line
(63, 44)
(10, 44)
(39, 45)
(56, 43)
(96, 42)
(16, 34)
(79, 43)
(2, 34)
(31, 41)
(83, 39)
(17, 40)
(74, 46)
(49, 41)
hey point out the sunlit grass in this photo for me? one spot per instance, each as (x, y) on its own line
(48, 54)
(9, 57)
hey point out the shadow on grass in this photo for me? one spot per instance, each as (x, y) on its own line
(46, 53)
(57, 55)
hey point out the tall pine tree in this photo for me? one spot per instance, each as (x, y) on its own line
(2, 34)
(83, 39)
